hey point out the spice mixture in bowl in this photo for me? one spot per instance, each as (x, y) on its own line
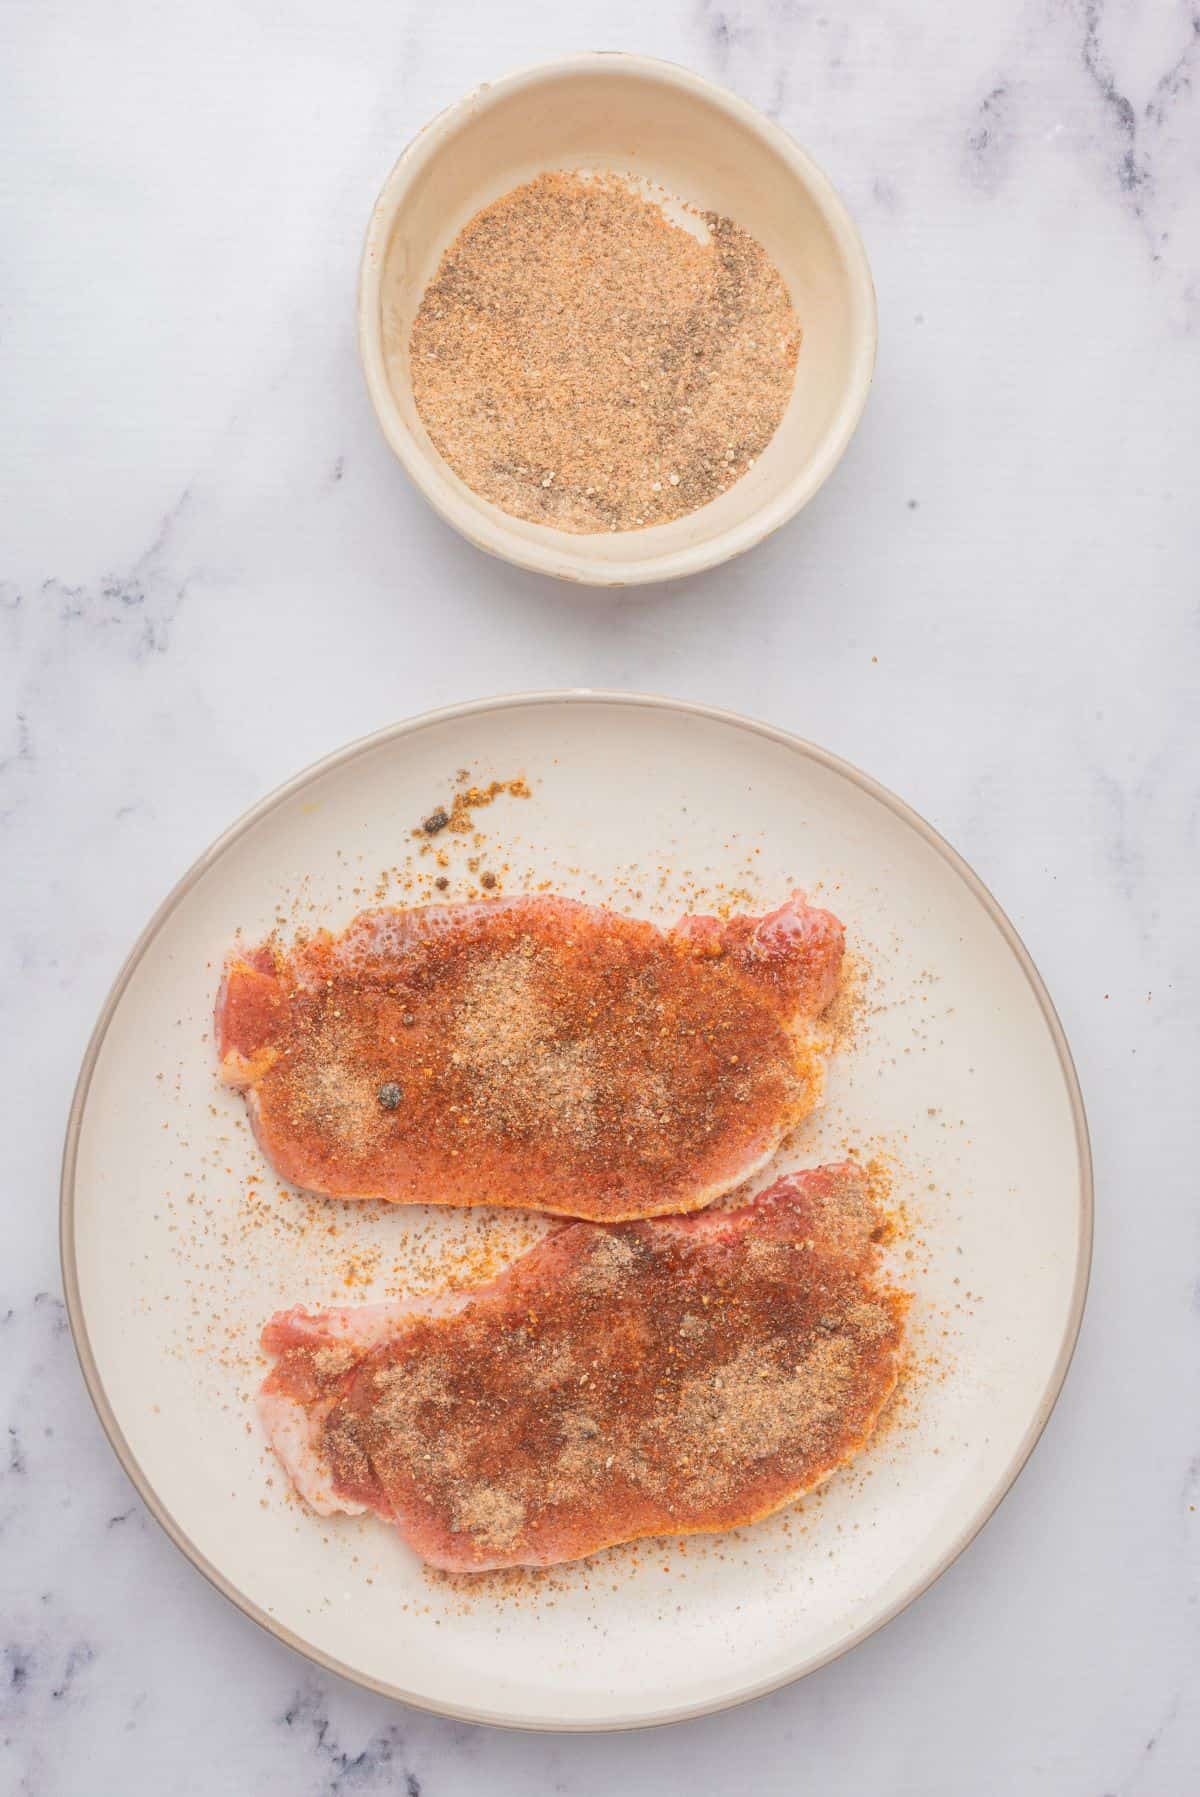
(614, 324)
(583, 361)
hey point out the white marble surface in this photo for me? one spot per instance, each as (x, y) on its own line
(212, 571)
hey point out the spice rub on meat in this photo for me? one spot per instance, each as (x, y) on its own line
(532, 1052)
(658, 1378)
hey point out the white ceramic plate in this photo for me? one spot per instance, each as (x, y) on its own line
(177, 1242)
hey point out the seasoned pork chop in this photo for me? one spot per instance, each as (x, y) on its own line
(533, 1052)
(657, 1378)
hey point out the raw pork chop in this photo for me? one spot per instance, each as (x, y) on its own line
(533, 1052)
(660, 1378)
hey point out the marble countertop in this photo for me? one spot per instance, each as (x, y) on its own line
(213, 572)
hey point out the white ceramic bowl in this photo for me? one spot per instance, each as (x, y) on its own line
(632, 115)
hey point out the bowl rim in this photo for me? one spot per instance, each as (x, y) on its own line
(562, 554)
(584, 697)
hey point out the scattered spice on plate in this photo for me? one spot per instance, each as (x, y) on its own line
(459, 819)
(581, 360)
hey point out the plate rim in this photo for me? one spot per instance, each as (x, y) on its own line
(349, 752)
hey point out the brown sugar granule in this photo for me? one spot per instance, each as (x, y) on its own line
(493, 1517)
(582, 361)
(332, 1362)
(503, 1037)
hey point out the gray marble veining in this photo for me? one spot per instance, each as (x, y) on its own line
(212, 571)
